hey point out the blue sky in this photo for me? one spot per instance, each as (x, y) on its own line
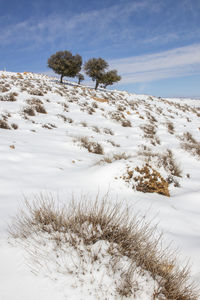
(154, 44)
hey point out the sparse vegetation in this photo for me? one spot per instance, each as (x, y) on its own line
(91, 146)
(132, 250)
(11, 97)
(111, 158)
(29, 111)
(4, 124)
(146, 180)
(190, 144)
(170, 127)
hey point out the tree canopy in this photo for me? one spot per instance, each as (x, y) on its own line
(65, 64)
(109, 78)
(95, 68)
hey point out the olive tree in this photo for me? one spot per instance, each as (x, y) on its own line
(95, 69)
(109, 78)
(65, 64)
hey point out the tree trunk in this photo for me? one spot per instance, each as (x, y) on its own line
(96, 85)
(61, 77)
(79, 81)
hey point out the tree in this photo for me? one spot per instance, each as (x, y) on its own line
(95, 68)
(80, 77)
(65, 64)
(109, 78)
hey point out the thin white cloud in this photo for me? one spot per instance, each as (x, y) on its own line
(178, 62)
(96, 24)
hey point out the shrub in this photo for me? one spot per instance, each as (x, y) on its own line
(190, 144)
(14, 126)
(29, 111)
(4, 124)
(146, 180)
(91, 146)
(11, 97)
(40, 109)
(169, 163)
(110, 158)
(170, 127)
(126, 123)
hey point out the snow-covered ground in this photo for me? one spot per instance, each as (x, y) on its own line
(47, 152)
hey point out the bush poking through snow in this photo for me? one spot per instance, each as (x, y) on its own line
(29, 111)
(91, 146)
(170, 127)
(146, 180)
(11, 97)
(4, 124)
(111, 158)
(97, 246)
(190, 144)
(169, 163)
(40, 109)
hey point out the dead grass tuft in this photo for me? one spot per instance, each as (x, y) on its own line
(82, 226)
(92, 147)
(29, 111)
(100, 99)
(170, 127)
(190, 144)
(111, 158)
(11, 97)
(169, 163)
(40, 109)
(4, 124)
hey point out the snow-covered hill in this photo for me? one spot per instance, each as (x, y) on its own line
(69, 139)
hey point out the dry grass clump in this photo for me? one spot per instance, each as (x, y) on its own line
(96, 129)
(92, 147)
(14, 126)
(65, 119)
(29, 111)
(100, 99)
(40, 109)
(164, 160)
(84, 124)
(120, 118)
(82, 226)
(190, 144)
(170, 127)
(169, 163)
(4, 87)
(49, 126)
(150, 117)
(113, 143)
(11, 97)
(108, 131)
(36, 92)
(111, 158)
(126, 123)
(150, 133)
(4, 124)
(34, 101)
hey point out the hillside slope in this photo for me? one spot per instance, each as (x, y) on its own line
(69, 139)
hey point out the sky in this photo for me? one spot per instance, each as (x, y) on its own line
(154, 44)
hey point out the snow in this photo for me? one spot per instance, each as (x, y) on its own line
(35, 159)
